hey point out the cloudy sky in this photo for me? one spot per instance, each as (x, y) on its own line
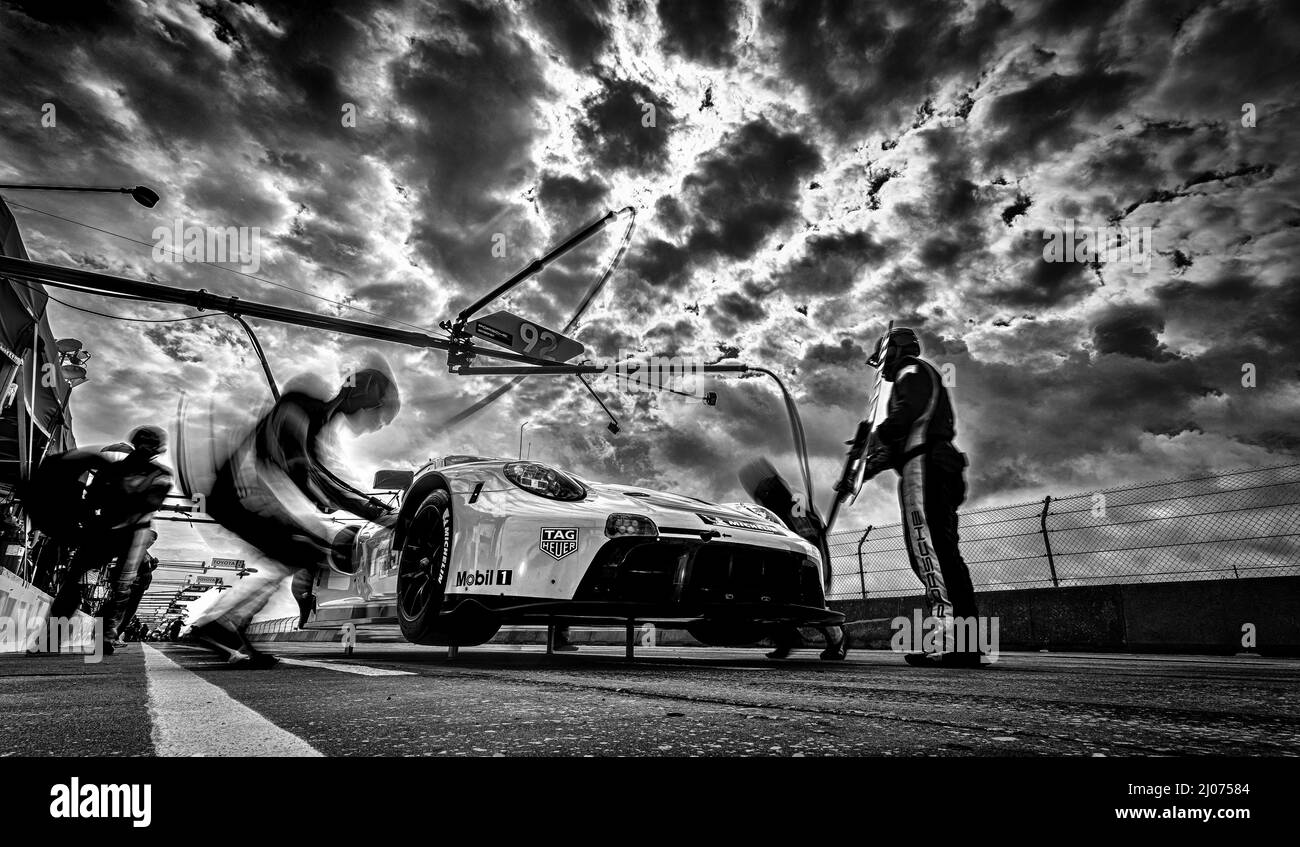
(802, 173)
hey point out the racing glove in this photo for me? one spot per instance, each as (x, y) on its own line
(342, 547)
(856, 447)
(880, 457)
(878, 460)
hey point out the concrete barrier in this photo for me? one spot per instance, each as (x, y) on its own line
(22, 602)
(19, 599)
(1171, 617)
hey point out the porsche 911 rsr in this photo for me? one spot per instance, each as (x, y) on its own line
(483, 542)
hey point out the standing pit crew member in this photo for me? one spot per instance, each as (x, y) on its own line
(915, 440)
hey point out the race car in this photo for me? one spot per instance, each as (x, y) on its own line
(481, 542)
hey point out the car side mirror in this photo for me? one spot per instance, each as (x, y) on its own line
(391, 480)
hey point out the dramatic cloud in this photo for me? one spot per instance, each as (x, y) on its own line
(577, 29)
(802, 173)
(700, 31)
(1130, 331)
(626, 125)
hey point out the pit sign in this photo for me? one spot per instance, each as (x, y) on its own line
(524, 336)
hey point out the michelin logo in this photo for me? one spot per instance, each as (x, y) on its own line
(474, 579)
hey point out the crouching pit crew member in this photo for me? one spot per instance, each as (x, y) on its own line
(273, 489)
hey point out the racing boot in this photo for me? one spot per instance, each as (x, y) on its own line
(784, 641)
(837, 651)
(231, 646)
(257, 659)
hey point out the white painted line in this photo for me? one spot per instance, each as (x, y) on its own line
(193, 717)
(359, 670)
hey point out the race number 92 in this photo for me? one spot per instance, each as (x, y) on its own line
(532, 337)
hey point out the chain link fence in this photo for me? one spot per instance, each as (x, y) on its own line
(273, 626)
(1231, 525)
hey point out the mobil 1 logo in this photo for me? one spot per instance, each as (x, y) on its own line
(559, 541)
(478, 579)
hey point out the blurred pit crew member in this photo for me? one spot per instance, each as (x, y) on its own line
(273, 488)
(302, 585)
(765, 485)
(143, 580)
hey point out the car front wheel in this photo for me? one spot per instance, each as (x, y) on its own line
(422, 569)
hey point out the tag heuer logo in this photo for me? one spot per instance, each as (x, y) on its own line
(558, 542)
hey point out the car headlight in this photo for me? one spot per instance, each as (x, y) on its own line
(544, 482)
(617, 526)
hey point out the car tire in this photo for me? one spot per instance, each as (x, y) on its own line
(422, 569)
(469, 630)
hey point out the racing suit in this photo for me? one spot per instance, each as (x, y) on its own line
(122, 499)
(270, 493)
(143, 580)
(915, 439)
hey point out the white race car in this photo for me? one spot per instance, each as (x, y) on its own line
(484, 542)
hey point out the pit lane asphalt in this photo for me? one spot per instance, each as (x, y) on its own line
(516, 701)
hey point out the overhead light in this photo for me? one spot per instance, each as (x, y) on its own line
(74, 374)
(142, 194)
(146, 197)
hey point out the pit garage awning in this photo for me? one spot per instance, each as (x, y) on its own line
(34, 409)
